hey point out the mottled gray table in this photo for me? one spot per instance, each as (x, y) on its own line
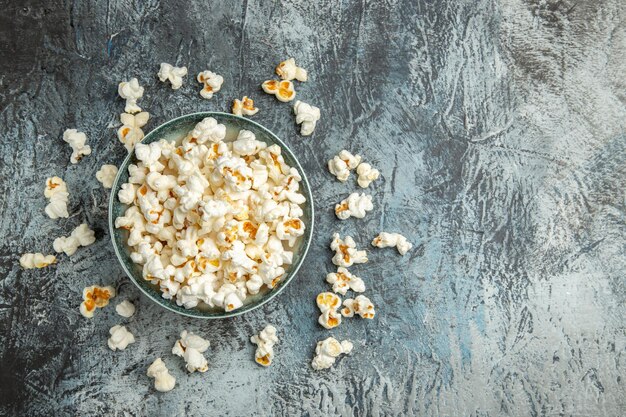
(498, 127)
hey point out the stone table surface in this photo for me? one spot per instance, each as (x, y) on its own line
(498, 127)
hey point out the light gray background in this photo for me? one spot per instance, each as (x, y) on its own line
(498, 127)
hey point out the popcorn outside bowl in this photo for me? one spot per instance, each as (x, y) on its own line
(175, 130)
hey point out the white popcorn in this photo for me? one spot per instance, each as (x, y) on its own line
(106, 175)
(209, 219)
(282, 90)
(288, 70)
(246, 144)
(327, 351)
(328, 303)
(172, 74)
(346, 253)
(130, 133)
(341, 165)
(361, 305)
(163, 381)
(265, 342)
(127, 194)
(80, 236)
(191, 347)
(356, 205)
(95, 296)
(120, 338)
(208, 130)
(36, 260)
(367, 174)
(244, 107)
(387, 240)
(56, 192)
(130, 91)
(306, 116)
(343, 280)
(125, 309)
(77, 141)
(212, 83)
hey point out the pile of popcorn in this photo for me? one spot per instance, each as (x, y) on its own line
(212, 221)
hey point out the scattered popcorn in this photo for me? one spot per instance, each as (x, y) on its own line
(130, 91)
(306, 116)
(106, 175)
(36, 260)
(93, 297)
(77, 141)
(341, 165)
(130, 133)
(361, 305)
(346, 253)
(120, 338)
(367, 174)
(191, 347)
(343, 280)
(356, 205)
(327, 351)
(387, 240)
(244, 107)
(80, 236)
(212, 222)
(163, 381)
(125, 309)
(287, 70)
(56, 192)
(172, 74)
(283, 90)
(265, 342)
(212, 83)
(328, 303)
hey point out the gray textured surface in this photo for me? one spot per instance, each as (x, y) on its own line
(499, 130)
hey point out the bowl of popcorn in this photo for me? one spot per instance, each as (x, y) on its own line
(211, 215)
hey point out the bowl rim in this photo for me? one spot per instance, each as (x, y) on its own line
(193, 312)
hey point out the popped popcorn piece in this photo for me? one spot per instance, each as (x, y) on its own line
(265, 342)
(341, 165)
(191, 347)
(56, 192)
(172, 74)
(106, 175)
(327, 351)
(343, 280)
(76, 140)
(328, 303)
(163, 381)
(208, 130)
(282, 90)
(361, 305)
(356, 205)
(306, 116)
(212, 83)
(95, 296)
(120, 338)
(82, 235)
(130, 91)
(288, 70)
(125, 309)
(346, 253)
(387, 240)
(130, 133)
(367, 174)
(244, 107)
(36, 260)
